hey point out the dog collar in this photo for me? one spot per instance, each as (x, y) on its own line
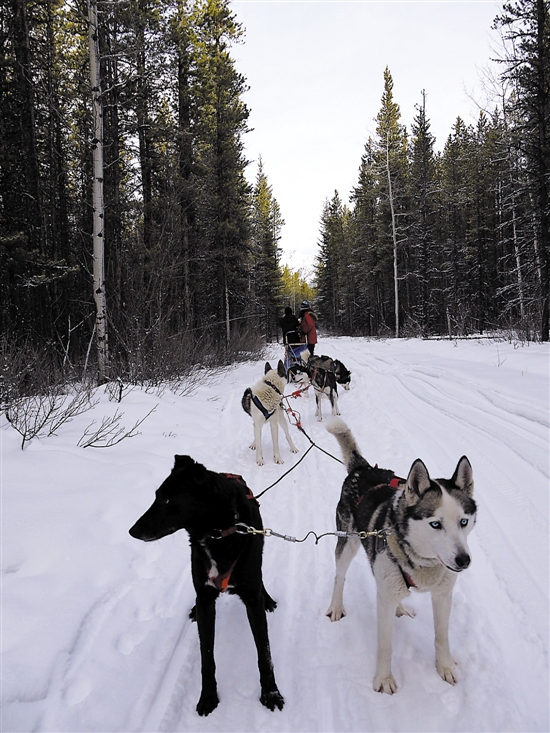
(270, 384)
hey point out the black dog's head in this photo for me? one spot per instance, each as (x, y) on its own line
(181, 502)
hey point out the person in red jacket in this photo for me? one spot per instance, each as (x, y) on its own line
(308, 327)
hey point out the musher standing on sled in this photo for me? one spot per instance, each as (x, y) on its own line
(289, 325)
(308, 319)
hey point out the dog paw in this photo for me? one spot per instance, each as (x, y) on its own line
(448, 672)
(269, 604)
(385, 684)
(294, 450)
(207, 703)
(335, 613)
(402, 611)
(278, 459)
(260, 461)
(272, 699)
(252, 446)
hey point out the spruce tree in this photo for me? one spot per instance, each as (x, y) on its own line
(267, 223)
(422, 254)
(526, 63)
(224, 193)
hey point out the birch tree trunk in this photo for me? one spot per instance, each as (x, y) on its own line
(97, 197)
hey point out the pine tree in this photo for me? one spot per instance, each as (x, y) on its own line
(526, 28)
(379, 222)
(224, 198)
(267, 223)
(423, 252)
(332, 264)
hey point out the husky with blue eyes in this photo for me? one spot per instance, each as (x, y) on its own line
(415, 533)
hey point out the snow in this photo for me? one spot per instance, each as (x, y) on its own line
(95, 630)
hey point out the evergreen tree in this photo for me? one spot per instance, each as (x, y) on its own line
(267, 223)
(526, 28)
(224, 193)
(422, 252)
(332, 263)
(364, 263)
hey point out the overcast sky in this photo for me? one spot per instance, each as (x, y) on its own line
(315, 70)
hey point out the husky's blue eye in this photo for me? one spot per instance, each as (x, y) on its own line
(463, 522)
(436, 525)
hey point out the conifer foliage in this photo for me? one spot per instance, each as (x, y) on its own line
(452, 243)
(190, 251)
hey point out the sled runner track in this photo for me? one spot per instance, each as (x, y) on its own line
(99, 635)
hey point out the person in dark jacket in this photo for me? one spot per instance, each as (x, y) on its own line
(289, 325)
(308, 327)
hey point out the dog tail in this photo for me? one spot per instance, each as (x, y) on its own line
(246, 400)
(350, 451)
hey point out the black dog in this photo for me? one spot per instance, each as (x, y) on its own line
(215, 509)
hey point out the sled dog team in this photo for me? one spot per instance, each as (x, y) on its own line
(414, 532)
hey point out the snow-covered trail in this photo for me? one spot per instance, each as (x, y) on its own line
(96, 633)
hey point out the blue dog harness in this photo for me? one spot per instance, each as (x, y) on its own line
(261, 408)
(265, 412)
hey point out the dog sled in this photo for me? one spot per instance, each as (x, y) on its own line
(294, 350)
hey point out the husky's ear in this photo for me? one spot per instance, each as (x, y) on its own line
(463, 477)
(267, 367)
(418, 481)
(281, 371)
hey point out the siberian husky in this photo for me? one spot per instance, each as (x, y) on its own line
(341, 372)
(263, 403)
(324, 384)
(417, 538)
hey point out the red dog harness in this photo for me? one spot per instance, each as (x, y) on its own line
(221, 582)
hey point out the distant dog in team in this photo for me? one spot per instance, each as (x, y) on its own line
(341, 372)
(216, 509)
(263, 403)
(324, 383)
(418, 530)
(310, 373)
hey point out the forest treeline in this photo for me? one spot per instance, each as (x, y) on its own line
(431, 243)
(191, 255)
(455, 242)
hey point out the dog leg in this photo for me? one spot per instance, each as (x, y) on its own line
(274, 425)
(402, 611)
(269, 604)
(346, 549)
(444, 663)
(318, 411)
(385, 611)
(205, 612)
(258, 443)
(282, 420)
(255, 609)
(334, 403)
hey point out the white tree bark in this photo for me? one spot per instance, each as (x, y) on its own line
(98, 238)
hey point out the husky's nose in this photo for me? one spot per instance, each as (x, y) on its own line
(462, 561)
